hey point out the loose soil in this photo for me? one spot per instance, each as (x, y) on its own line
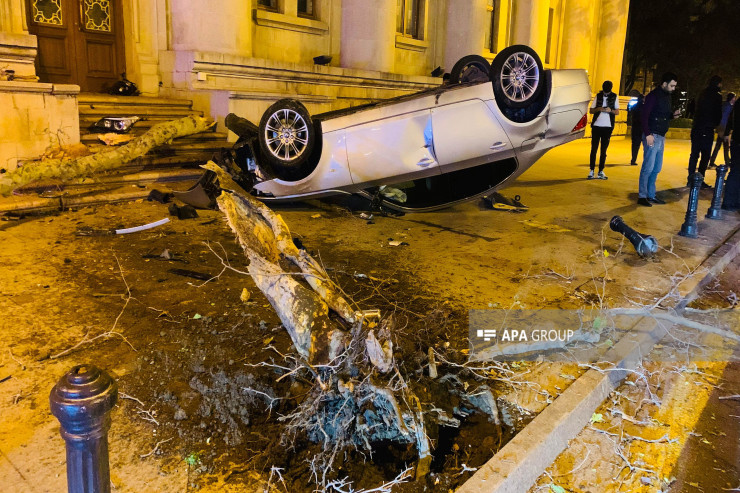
(198, 397)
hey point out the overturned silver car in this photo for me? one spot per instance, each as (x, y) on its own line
(465, 139)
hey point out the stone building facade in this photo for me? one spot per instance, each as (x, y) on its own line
(241, 55)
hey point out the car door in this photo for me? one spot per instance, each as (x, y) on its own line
(392, 149)
(467, 133)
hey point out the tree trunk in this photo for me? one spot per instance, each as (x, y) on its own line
(66, 169)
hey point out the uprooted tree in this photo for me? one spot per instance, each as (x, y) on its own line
(359, 397)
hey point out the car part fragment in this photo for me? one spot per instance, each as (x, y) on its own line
(116, 124)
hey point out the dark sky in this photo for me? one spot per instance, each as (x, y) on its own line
(693, 38)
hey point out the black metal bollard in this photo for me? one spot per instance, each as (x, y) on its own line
(645, 245)
(81, 401)
(715, 210)
(689, 228)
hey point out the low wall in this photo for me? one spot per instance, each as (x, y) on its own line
(34, 117)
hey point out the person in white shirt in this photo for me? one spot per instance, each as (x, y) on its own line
(604, 107)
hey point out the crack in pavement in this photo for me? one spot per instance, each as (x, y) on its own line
(449, 230)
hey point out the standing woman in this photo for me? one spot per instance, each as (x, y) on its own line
(731, 200)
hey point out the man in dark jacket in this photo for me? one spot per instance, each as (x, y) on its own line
(656, 115)
(706, 118)
(731, 201)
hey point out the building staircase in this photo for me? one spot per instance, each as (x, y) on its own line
(173, 166)
(190, 151)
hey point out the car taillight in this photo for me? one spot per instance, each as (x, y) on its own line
(581, 124)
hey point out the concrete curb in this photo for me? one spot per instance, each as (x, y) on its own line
(517, 466)
(714, 263)
(83, 195)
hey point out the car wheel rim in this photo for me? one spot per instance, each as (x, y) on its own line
(520, 76)
(286, 134)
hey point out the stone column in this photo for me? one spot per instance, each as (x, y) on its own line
(222, 27)
(575, 49)
(530, 24)
(612, 34)
(368, 34)
(13, 16)
(466, 30)
(17, 47)
(142, 48)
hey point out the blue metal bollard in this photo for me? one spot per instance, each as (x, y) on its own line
(715, 210)
(82, 401)
(689, 228)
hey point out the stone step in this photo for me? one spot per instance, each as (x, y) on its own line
(205, 149)
(219, 138)
(189, 151)
(99, 111)
(88, 99)
(145, 122)
(128, 185)
(173, 160)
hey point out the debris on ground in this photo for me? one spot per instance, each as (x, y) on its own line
(143, 227)
(202, 194)
(183, 212)
(88, 231)
(393, 194)
(114, 139)
(500, 202)
(380, 356)
(546, 227)
(432, 363)
(161, 197)
(70, 151)
(201, 276)
(165, 255)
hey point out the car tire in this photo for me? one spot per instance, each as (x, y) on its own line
(471, 68)
(518, 77)
(287, 137)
